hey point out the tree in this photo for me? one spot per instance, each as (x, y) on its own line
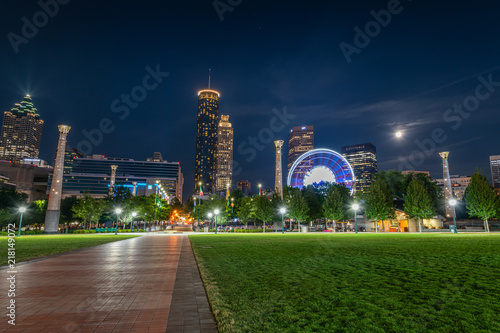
(335, 207)
(418, 202)
(88, 209)
(264, 209)
(481, 199)
(298, 209)
(379, 201)
(314, 201)
(246, 211)
(10, 201)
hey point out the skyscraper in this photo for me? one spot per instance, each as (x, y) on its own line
(21, 132)
(495, 171)
(224, 175)
(206, 139)
(300, 140)
(363, 160)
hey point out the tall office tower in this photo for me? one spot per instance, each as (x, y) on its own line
(70, 155)
(363, 160)
(448, 194)
(206, 139)
(245, 186)
(278, 183)
(53, 213)
(224, 173)
(495, 171)
(300, 140)
(21, 132)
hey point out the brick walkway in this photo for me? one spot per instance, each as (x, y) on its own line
(134, 285)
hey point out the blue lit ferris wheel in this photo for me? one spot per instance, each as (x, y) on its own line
(318, 166)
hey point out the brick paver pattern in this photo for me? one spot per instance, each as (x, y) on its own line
(126, 286)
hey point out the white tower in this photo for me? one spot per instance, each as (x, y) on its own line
(448, 194)
(51, 225)
(112, 179)
(278, 185)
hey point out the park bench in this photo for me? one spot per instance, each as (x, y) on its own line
(473, 228)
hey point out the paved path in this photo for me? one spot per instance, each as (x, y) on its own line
(135, 285)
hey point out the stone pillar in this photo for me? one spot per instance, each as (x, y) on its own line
(112, 179)
(448, 194)
(53, 213)
(134, 189)
(278, 186)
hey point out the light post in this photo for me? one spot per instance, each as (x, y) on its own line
(199, 201)
(144, 222)
(21, 210)
(232, 206)
(260, 189)
(216, 212)
(118, 211)
(134, 214)
(209, 220)
(282, 211)
(453, 203)
(355, 207)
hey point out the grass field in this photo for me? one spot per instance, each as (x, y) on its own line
(352, 283)
(31, 247)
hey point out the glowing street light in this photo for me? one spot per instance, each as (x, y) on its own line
(209, 220)
(260, 189)
(355, 207)
(216, 212)
(21, 210)
(282, 211)
(118, 211)
(134, 214)
(399, 134)
(453, 203)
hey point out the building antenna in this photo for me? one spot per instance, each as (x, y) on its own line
(209, 72)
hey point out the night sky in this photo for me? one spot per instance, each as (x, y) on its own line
(264, 56)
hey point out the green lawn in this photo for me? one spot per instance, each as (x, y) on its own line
(31, 247)
(352, 283)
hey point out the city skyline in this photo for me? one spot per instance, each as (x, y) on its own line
(387, 86)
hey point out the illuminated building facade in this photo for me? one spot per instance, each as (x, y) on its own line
(224, 174)
(363, 159)
(300, 141)
(206, 140)
(245, 186)
(458, 185)
(495, 171)
(92, 175)
(21, 132)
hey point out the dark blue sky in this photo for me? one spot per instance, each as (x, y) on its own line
(264, 55)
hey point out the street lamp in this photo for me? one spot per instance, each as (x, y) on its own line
(209, 220)
(260, 189)
(232, 206)
(118, 211)
(134, 214)
(144, 222)
(21, 210)
(216, 212)
(453, 203)
(282, 211)
(355, 207)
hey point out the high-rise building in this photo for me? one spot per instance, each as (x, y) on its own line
(245, 186)
(224, 173)
(495, 171)
(206, 140)
(363, 160)
(300, 140)
(21, 132)
(69, 156)
(458, 185)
